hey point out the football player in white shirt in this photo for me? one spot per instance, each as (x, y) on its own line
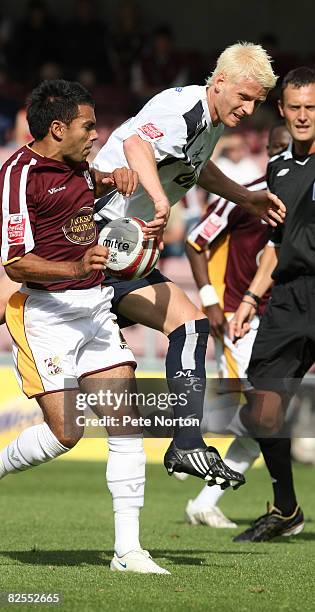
(169, 143)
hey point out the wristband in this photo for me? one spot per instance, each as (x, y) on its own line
(253, 296)
(208, 296)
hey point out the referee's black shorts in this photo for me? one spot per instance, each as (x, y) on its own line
(284, 348)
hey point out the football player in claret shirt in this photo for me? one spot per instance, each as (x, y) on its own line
(169, 142)
(55, 182)
(224, 250)
(65, 339)
(284, 347)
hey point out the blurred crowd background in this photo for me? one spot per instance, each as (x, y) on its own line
(124, 52)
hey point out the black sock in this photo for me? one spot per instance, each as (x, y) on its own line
(277, 456)
(186, 376)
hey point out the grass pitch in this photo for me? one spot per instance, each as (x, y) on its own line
(57, 531)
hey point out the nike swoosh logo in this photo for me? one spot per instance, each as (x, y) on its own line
(124, 565)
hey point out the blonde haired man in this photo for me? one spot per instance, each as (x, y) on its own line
(169, 143)
(245, 59)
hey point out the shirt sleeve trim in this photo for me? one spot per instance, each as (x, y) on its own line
(194, 245)
(5, 263)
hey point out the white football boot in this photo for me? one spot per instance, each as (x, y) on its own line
(211, 516)
(136, 561)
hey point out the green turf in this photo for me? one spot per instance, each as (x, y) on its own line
(56, 535)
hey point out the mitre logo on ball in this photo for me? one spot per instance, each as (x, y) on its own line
(131, 255)
(116, 244)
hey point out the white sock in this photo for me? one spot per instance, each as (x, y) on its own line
(219, 413)
(34, 445)
(125, 479)
(127, 530)
(240, 456)
(236, 425)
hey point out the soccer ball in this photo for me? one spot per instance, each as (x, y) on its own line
(130, 255)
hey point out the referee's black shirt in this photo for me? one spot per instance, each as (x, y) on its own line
(292, 179)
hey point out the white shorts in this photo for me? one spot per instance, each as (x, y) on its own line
(232, 363)
(59, 337)
(233, 359)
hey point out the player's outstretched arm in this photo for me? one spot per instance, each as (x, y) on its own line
(207, 293)
(140, 157)
(262, 281)
(31, 268)
(261, 204)
(123, 179)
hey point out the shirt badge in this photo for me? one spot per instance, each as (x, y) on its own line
(283, 172)
(16, 229)
(151, 130)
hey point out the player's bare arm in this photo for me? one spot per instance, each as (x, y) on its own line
(261, 204)
(262, 281)
(140, 157)
(7, 287)
(123, 179)
(32, 268)
(213, 310)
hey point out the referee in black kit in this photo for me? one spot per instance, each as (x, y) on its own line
(284, 348)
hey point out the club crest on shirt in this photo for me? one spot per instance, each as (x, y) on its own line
(88, 179)
(53, 365)
(80, 228)
(16, 229)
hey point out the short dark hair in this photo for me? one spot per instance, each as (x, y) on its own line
(54, 100)
(298, 77)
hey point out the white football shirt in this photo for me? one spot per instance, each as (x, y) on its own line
(178, 125)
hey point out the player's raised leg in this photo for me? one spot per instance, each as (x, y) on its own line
(187, 329)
